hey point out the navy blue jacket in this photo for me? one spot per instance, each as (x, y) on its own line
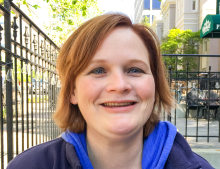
(59, 154)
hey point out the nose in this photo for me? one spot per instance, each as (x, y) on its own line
(118, 82)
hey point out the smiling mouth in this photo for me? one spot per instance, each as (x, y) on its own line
(118, 104)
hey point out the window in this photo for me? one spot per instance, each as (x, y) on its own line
(152, 18)
(156, 4)
(194, 5)
(146, 4)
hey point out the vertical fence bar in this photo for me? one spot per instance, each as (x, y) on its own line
(9, 110)
(175, 90)
(36, 119)
(218, 119)
(14, 26)
(25, 71)
(187, 110)
(167, 80)
(28, 83)
(50, 110)
(46, 106)
(22, 105)
(51, 125)
(208, 103)
(43, 113)
(219, 126)
(32, 108)
(1, 108)
(39, 102)
(197, 119)
(56, 94)
(169, 113)
(53, 105)
(22, 86)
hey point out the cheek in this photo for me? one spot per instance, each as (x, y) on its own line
(146, 89)
(87, 91)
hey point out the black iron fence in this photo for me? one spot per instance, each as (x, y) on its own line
(28, 83)
(195, 87)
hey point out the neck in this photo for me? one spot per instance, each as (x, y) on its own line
(123, 153)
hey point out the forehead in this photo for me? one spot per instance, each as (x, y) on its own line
(122, 42)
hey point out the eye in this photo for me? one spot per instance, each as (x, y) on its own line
(99, 70)
(135, 70)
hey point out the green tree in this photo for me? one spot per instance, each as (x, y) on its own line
(67, 15)
(181, 42)
(145, 21)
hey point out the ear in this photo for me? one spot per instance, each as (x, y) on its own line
(73, 99)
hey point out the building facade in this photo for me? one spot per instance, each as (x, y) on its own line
(184, 14)
(149, 8)
(138, 9)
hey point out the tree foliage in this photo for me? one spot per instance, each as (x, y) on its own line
(181, 42)
(67, 15)
(145, 21)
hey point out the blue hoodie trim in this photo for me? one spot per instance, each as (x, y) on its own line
(156, 147)
(79, 142)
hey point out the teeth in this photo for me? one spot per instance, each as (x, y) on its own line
(117, 104)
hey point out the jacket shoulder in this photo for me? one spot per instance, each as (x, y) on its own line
(181, 156)
(51, 154)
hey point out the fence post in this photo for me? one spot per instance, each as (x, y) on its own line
(169, 113)
(208, 111)
(187, 110)
(9, 110)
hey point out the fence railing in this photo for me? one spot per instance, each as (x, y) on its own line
(28, 83)
(195, 87)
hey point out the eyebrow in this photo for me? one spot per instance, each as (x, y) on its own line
(98, 61)
(128, 62)
(137, 61)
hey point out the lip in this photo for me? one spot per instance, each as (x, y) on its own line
(119, 101)
(124, 109)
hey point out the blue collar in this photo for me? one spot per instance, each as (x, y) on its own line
(156, 147)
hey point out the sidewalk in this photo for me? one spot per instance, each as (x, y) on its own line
(208, 150)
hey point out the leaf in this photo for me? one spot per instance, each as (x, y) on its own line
(12, 12)
(36, 6)
(74, 2)
(24, 2)
(70, 22)
(59, 28)
(84, 13)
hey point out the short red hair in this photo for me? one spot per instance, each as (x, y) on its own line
(79, 50)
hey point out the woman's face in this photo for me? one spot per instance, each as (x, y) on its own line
(116, 92)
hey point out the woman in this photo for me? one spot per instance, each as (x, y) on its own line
(113, 89)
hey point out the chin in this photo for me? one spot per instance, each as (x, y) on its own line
(124, 128)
